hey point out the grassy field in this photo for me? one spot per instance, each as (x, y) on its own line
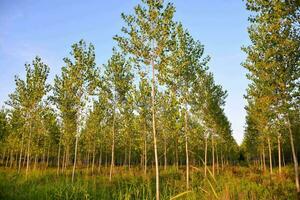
(234, 183)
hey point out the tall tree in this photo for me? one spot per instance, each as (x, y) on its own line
(71, 91)
(146, 38)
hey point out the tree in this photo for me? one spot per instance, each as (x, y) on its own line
(273, 59)
(71, 91)
(119, 79)
(28, 98)
(146, 39)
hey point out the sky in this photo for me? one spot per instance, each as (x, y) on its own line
(49, 28)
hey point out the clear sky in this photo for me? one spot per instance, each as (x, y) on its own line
(48, 29)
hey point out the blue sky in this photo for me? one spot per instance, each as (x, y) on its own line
(48, 29)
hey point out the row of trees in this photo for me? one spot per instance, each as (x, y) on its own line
(273, 61)
(153, 103)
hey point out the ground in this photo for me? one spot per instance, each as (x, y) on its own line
(235, 182)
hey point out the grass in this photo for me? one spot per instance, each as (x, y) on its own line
(234, 183)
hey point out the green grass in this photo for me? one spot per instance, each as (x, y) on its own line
(234, 183)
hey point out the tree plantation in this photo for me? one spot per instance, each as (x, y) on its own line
(150, 123)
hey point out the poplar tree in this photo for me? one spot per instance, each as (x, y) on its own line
(273, 59)
(71, 91)
(146, 38)
(28, 98)
(118, 78)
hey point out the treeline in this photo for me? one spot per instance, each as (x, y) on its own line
(154, 103)
(273, 60)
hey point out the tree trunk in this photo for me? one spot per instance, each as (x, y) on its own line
(213, 155)
(270, 156)
(93, 160)
(100, 160)
(47, 160)
(264, 159)
(205, 158)
(35, 162)
(186, 149)
(28, 151)
(165, 154)
(58, 158)
(145, 147)
(21, 152)
(129, 154)
(176, 153)
(279, 154)
(217, 159)
(112, 148)
(11, 158)
(154, 131)
(75, 158)
(294, 157)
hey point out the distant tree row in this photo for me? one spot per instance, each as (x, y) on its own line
(273, 95)
(154, 103)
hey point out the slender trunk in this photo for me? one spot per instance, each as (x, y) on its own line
(186, 148)
(58, 159)
(205, 158)
(154, 131)
(279, 154)
(47, 160)
(11, 158)
(35, 162)
(176, 153)
(21, 152)
(270, 156)
(112, 148)
(217, 159)
(145, 147)
(264, 159)
(294, 157)
(165, 154)
(261, 162)
(129, 154)
(283, 158)
(87, 162)
(100, 160)
(222, 166)
(28, 150)
(213, 155)
(93, 160)
(75, 158)
(63, 161)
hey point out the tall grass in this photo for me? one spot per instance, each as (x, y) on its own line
(234, 183)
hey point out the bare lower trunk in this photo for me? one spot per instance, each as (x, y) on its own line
(75, 158)
(213, 155)
(47, 160)
(112, 149)
(205, 158)
(100, 160)
(294, 157)
(186, 150)
(154, 131)
(279, 154)
(176, 153)
(270, 156)
(93, 160)
(217, 159)
(58, 159)
(21, 152)
(145, 148)
(165, 154)
(35, 162)
(264, 159)
(28, 152)
(129, 154)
